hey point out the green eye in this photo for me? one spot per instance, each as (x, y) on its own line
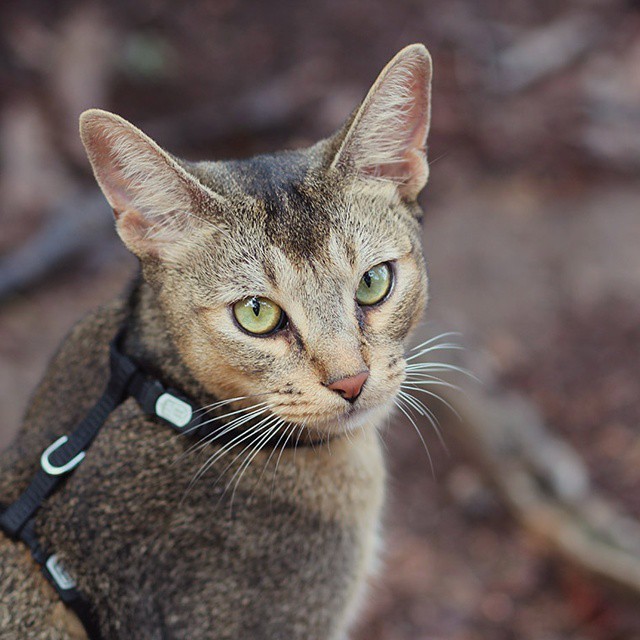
(374, 284)
(258, 315)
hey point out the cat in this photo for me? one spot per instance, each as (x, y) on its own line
(278, 293)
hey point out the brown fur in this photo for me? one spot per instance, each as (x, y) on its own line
(284, 551)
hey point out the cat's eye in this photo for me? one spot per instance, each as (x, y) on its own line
(259, 316)
(374, 284)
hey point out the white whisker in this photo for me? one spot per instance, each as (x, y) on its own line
(448, 346)
(436, 382)
(295, 448)
(423, 410)
(226, 447)
(440, 367)
(275, 471)
(273, 450)
(210, 407)
(232, 413)
(261, 427)
(438, 337)
(434, 395)
(257, 447)
(398, 402)
(222, 430)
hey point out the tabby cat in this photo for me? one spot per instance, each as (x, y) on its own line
(278, 293)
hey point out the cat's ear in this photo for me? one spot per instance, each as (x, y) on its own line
(152, 196)
(386, 138)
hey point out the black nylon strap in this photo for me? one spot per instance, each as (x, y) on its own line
(44, 483)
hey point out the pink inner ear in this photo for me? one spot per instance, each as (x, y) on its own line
(118, 196)
(134, 230)
(108, 170)
(409, 167)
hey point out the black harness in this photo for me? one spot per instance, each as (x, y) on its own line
(61, 457)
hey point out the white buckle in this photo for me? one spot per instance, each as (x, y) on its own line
(59, 574)
(174, 410)
(51, 469)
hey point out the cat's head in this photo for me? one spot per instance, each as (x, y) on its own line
(295, 278)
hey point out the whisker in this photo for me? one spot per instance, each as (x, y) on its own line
(275, 471)
(423, 410)
(214, 405)
(420, 407)
(434, 395)
(194, 427)
(232, 413)
(295, 448)
(348, 435)
(256, 448)
(222, 430)
(398, 402)
(436, 382)
(225, 448)
(259, 428)
(438, 337)
(440, 367)
(266, 464)
(445, 346)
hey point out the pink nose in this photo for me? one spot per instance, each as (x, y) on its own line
(349, 388)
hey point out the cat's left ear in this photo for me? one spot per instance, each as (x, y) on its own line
(386, 138)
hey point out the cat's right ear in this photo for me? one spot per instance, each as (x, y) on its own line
(153, 198)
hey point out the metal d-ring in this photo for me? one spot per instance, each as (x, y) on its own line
(51, 469)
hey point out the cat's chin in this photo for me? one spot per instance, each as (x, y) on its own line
(352, 420)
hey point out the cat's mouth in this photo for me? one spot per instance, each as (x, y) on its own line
(351, 419)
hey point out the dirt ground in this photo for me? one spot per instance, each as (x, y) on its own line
(531, 233)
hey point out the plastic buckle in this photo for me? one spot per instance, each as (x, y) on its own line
(51, 469)
(59, 574)
(174, 410)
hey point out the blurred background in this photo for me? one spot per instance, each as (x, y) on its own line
(532, 233)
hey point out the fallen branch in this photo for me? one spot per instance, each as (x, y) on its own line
(547, 50)
(545, 484)
(73, 226)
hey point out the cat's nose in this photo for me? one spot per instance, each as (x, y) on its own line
(350, 387)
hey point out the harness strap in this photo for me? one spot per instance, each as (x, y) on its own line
(66, 453)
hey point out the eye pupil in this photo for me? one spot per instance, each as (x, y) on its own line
(374, 285)
(258, 316)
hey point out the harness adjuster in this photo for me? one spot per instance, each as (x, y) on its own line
(58, 574)
(166, 403)
(54, 470)
(170, 407)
